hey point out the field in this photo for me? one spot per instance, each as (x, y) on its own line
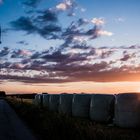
(47, 125)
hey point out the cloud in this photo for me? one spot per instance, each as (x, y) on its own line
(98, 21)
(96, 73)
(82, 21)
(61, 6)
(78, 63)
(5, 65)
(67, 5)
(4, 52)
(46, 19)
(75, 59)
(50, 31)
(78, 33)
(105, 53)
(79, 39)
(46, 16)
(21, 53)
(16, 66)
(120, 19)
(105, 33)
(46, 24)
(57, 56)
(127, 56)
(25, 24)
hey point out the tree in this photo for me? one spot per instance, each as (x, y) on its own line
(2, 94)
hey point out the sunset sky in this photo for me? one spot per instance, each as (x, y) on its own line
(57, 46)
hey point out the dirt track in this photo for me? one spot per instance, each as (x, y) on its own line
(11, 127)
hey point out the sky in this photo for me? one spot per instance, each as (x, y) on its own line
(70, 46)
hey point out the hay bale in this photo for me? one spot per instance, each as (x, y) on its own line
(38, 99)
(81, 105)
(65, 104)
(102, 107)
(45, 100)
(54, 102)
(127, 110)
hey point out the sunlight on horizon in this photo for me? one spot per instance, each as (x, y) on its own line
(76, 87)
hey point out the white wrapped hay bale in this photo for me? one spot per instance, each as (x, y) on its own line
(127, 110)
(45, 100)
(102, 107)
(53, 102)
(65, 103)
(38, 99)
(81, 105)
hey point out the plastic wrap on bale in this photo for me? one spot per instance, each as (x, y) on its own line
(54, 102)
(65, 104)
(102, 107)
(46, 100)
(81, 105)
(127, 110)
(38, 99)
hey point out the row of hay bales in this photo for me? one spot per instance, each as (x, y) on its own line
(122, 109)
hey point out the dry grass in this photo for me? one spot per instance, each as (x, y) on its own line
(30, 101)
(48, 125)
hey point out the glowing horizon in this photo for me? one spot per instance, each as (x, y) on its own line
(76, 87)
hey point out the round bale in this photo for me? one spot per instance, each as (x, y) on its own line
(127, 110)
(81, 105)
(45, 100)
(38, 99)
(54, 102)
(102, 107)
(65, 104)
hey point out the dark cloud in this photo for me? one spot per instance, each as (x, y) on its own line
(74, 60)
(134, 47)
(106, 54)
(24, 24)
(75, 74)
(20, 53)
(78, 62)
(44, 24)
(25, 61)
(82, 22)
(5, 65)
(31, 3)
(77, 34)
(93, 33)
(5, 51)
(46, 16)
(127, 56)
(56, 56)
(50, 31)
(36, 55)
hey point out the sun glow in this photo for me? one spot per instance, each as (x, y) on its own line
(72, 87)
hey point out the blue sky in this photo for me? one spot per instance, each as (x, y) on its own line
(69, 41)
(121, 17)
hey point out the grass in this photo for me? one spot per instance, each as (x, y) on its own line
(48, 125)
